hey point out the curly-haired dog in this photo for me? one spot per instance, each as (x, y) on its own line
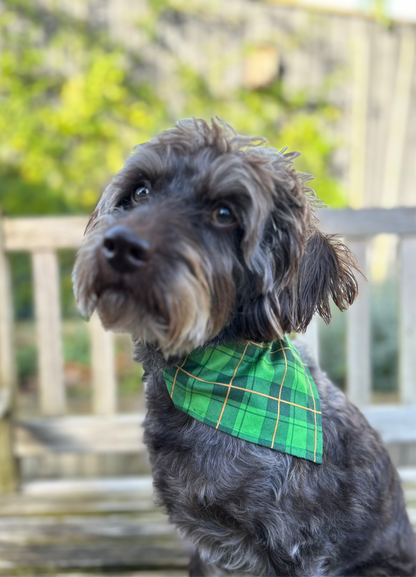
(205, 244)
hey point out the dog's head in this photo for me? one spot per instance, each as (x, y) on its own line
(204, 229)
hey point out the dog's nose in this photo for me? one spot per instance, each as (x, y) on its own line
(125, 251)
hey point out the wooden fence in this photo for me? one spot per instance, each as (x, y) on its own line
(365, 68)
(106, 431)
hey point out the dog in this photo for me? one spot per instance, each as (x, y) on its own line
(206, 238)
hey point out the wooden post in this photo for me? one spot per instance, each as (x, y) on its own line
(399, 119)
(407, 320)
(358, 333)
(48, 315)
(8, 468)
(103, 369)
(360, 68)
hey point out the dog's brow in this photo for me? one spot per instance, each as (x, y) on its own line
(150, 161)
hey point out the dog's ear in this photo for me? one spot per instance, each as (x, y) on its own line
(326, 269)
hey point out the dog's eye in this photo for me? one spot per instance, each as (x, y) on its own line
(135, 197)
(140, 193)
(223, 216)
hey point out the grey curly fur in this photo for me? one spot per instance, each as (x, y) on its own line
(246, 508)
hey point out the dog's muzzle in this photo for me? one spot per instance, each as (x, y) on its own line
(125, 251)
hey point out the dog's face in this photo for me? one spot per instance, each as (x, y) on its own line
(204, 229)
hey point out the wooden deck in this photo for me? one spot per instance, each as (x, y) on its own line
(95, 527)
(75, 529)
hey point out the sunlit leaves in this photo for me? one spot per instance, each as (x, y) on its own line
(73, 104)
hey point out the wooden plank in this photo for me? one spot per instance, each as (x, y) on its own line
(8, 466)
(44, 233)
(48, 316)
(123, 434)
(399, 115)
(76, 487)
(407, 185)
(8, 470)
(28, 506)
(5, 402)
(360, 68)
(98, 553)
(358, 333)
(163, 573)
(408, 475)
(7, 358)
(76, 542)
(66, 504)
(67, 465)
(71, 526)
(47, 530)
(33, 234)
(84, 465)
(384, 48)
(368, 221)
(103, 369)
(103, 434)
(91, 465)
(407, 320)
(395, 423)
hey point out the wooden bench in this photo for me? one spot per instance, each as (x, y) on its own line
(59, 525)
(107, 431)
(104, 430)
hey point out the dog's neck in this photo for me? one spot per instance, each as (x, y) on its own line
(154, 360)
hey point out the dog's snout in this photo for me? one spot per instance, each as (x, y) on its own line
(125, 251)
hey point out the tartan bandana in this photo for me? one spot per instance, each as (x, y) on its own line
(262, 393)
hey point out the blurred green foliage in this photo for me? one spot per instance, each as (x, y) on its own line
(69, 113)
(73, 103)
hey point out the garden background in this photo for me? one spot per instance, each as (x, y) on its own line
(83, 81)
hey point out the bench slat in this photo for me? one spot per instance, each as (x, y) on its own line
(7, 358)
(407, 320)
(43, 233)
(358, 332)
(8, 471)
(66, 232)
(48, 316)
(103, 369)
(89, 434)
(368, 221)
(399, 120)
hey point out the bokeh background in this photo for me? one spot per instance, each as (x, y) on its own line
(83, 81)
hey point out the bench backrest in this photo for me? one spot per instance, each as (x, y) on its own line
(108, 431)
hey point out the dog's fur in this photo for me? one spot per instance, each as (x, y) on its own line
(245, 508)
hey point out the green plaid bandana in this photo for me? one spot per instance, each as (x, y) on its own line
(262, 393)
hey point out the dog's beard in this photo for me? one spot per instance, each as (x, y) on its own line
(171, 308)
(184, 324)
